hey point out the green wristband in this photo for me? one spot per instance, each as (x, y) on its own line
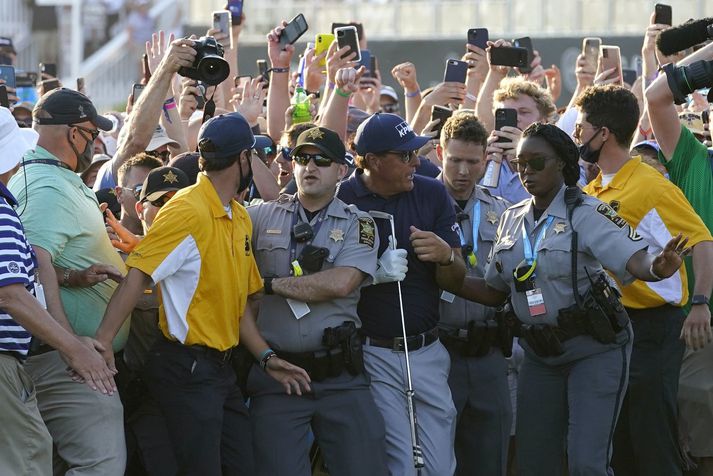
(342, 93)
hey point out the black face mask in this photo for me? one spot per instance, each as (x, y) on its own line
(587, 154)
(84, 160)
(245, 179)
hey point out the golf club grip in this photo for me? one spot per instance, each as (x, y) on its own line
(417, 452)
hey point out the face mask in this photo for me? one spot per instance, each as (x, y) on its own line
(84, 160)
(587, 154)
(245, 179)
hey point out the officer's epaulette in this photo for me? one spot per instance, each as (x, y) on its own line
(285, 198)
(351, 208)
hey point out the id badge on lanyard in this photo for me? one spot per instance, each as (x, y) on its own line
(525, 276)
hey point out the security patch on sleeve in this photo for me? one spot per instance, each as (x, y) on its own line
(610, 214)
(367, 231)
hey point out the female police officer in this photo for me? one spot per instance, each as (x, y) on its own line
(577, 343)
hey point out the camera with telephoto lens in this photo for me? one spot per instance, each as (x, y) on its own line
(209, 65)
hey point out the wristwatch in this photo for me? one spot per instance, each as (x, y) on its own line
(699, 299)
(267, 282)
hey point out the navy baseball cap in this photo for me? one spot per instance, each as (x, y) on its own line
(227, 135)
(383, 132)
(67, 106)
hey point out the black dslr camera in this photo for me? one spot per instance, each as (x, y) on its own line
(209, 65)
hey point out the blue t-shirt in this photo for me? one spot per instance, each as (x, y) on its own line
(17, 266)
(427, 207)
(427, 168)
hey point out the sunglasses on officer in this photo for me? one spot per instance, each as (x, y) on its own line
(319, 159)
(535, 163)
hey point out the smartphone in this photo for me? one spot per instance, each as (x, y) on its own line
(664, 14)
(365, 61)
(321, 44)
(347, 36)
(629, 76)
(146, 67)
(136, 92)
(25, 89)
(50, 84)
(442, 114)
(525, 42)
(4, 100)
(509, 56)
(505, 117)
(590, 50)
(7, 73)
(221, 21)
(456, 71)
(241, 80)
(50, 69)
(478, 37)
(294, 29)
(200, 97)
(359, 27)
(235, 7)
(372, 67)
(262, 72)
(80, 84)
(611, 58)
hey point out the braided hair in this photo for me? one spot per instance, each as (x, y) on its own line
(564, 147)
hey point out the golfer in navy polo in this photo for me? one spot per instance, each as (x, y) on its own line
(426, 259)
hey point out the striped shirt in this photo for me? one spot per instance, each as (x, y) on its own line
(17, 265)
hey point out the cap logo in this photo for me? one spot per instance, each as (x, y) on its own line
(403, 129)
(315, 134)
(80, 108)
(170, 177)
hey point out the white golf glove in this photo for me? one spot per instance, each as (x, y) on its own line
(392, 266)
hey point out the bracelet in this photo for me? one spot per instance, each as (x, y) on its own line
(342, 93)
(331, 85)
(66, 276)
(413, 94)
(450, 260)
(265, 352)
(268, 286)
(168, 102)
(651, 272)
(471, 97)
(279, 70)
(263, 362)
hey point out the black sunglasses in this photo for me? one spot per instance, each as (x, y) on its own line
(536, 163)
(94, 133)
(162, 200)
(405, 156)
(319, 159)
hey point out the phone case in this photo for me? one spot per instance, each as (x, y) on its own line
(590, 50)
(525, 42)
(221, 21)
(509, 56)
(321, 44)
(611, 58)
(505, 117)
(478, 37)
(664, 14)
(347, 36)
(365, 60)
(7, 73)
(456, 71)
(235, 7)
(441, 113)
(294, 30)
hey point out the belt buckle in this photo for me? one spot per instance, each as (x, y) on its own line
(398, 344)
(226, 355)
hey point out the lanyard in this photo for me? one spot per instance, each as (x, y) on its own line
(294, 263)
(56, 163)
(530, 256)
(472, 258)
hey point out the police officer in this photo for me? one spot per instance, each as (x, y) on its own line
(478, 377)
(577, 341)
(428, 243)
(315, 253)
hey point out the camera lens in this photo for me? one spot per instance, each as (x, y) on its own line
(213, 70)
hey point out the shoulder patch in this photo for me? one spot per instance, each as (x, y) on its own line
(367, 231)
(611, 215)
(616, 205)
(633, 235)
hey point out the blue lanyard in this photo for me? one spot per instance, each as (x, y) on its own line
(531, 257)
(471, 259)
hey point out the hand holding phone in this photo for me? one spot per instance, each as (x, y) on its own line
(48, 70)
(293, 31)
(441, 114)
(525, 42)
(235, 7)
(478, 37)
(347, 36)
(664, 14)
(456, 71)
(505, 117)
(508, 56)
(590, 51)
(611, 59)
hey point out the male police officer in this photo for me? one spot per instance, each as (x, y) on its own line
(478, 378)
(315, 253)
(426, 232)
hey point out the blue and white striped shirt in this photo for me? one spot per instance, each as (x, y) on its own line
(17, 265)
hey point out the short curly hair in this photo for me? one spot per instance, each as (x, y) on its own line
(513, 88)
(142, 159)
(564, 147)
(613, 107)
(466, 127)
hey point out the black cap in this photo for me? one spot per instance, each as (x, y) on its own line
(188, 162)
(162, 180)
(6, 43)
(66, 106)
(326, 140)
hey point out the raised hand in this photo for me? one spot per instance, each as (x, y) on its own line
(156, 48)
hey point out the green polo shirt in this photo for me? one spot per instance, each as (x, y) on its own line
(61, 215)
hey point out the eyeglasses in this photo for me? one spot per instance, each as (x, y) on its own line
(94, 133)
(390, 108)
(578, 128)
(319, 160)
(162, 200)
(405, 156)
(535, 163)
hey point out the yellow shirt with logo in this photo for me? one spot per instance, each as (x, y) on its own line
(658, 211)
(203, 263)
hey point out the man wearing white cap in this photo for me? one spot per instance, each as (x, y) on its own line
(25, 443)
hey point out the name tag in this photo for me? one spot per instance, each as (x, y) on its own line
(535, 302)
(448, 297)
(299, 308)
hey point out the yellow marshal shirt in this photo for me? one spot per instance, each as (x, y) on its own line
(203, 263)
(658, 211)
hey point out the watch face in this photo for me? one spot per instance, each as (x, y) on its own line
(699, 299)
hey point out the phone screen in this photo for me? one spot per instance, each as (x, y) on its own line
(235, 7)
(240, 81)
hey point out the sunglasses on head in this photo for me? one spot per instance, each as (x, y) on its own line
(535, 163)
(319, 159)
(162, 200)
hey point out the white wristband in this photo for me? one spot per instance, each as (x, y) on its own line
(651, 272)
(471, 97)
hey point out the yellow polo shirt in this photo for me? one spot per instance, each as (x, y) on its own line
(202, 261)
(658, 211)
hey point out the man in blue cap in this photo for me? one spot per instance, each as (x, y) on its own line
(425, 256)
(198, 252)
